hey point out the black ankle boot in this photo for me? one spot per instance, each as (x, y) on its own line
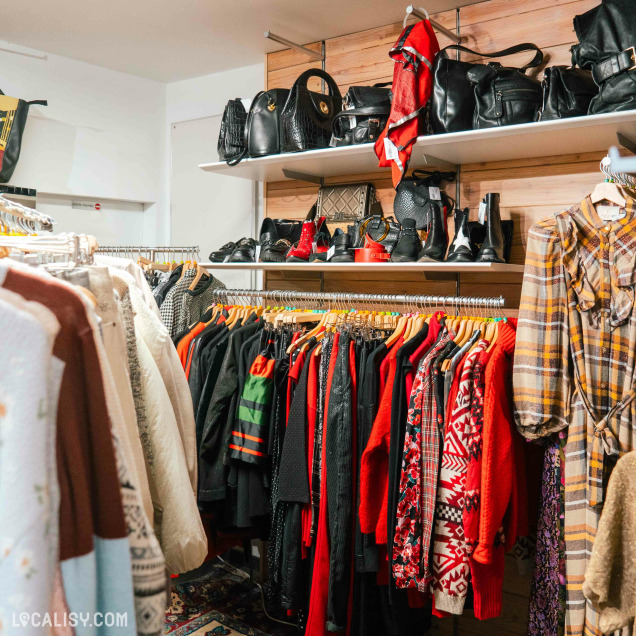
(437, 239)
(492, 249)
(342, 250)
(409, 244)
(276, 237)
(461, 250)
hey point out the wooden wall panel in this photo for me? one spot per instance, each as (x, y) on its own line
(530, 189)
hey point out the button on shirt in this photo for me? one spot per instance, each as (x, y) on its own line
(574, 365)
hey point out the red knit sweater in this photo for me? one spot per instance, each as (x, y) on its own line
(502, 499)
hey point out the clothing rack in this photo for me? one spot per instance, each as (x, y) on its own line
(284, 296)
(71, 248)
(191, 251)
(21, 219)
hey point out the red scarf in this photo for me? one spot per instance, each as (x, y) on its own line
(414, 54)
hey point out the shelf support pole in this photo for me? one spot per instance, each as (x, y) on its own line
(414, 11)
(314, 55)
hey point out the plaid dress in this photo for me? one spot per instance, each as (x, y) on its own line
(574, 367)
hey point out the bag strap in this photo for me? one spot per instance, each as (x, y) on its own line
(382, 84)
(537, 60)
(334, 91)
(38, 102)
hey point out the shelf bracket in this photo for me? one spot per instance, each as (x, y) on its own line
(626, 142)
(422, 15)
(314, 55)
(302, 176)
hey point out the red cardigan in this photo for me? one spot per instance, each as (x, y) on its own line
(374, 467)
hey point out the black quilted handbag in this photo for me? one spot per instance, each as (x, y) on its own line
(231, 145)
(13, 117)
(307, 117)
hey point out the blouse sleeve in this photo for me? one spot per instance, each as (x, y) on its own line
(541, 380)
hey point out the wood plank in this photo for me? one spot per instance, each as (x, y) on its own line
(548, 27)
(289, 57)
(285, 77)
(497, 9)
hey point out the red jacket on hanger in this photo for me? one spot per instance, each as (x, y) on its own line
(414, 54)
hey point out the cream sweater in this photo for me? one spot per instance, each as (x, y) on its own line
(610, 578)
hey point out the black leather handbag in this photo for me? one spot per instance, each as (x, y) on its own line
(231, 145)
(567, 92)
(607, 41)
(262, 129)
(505, 96)
(13, 117)
(366, 111)
(454, 102)
(415, 193)
(377, 227)
(307, 117)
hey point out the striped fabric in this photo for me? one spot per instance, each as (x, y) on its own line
(574, 366)
(248, 442)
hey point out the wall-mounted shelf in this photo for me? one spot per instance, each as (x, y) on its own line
(450, 268)
(523, 141)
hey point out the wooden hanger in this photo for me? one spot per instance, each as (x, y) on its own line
(608, 191)
(399, 330)
(201, 272)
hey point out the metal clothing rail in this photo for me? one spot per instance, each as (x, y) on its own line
(151, 252)
(345, 297)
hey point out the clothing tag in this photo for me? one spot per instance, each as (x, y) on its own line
(611, 212)
(314, 248)
(330, 252)
(390, 150)
(353, 122)
(434, 194)
(257, 253)
(482, 212)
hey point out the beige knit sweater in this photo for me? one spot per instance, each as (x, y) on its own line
(610, 578)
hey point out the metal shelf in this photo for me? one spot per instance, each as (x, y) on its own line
(522, 141)
(451, 268)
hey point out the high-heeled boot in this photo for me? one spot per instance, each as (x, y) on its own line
(437, 238)
(492, 249)
(461, 249)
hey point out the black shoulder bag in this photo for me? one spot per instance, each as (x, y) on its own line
(455, 98)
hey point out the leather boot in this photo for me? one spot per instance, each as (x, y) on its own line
(301, 251)
(342, 250)
(492, 249)
(276, 237)
(437, 238)
(461, 250)
(409, 244)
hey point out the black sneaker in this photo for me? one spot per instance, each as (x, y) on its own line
(244, 252)
(222, 254)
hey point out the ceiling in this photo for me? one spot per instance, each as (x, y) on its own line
(169, 40)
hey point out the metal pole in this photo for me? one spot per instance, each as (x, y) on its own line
(492, 302)
(314, 55)
(442, 29)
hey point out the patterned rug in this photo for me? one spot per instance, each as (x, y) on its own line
(223, 602)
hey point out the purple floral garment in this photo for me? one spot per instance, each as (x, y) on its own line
(547, 594)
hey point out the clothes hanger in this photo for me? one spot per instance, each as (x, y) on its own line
(608, 190)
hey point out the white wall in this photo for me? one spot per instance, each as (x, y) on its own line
(102, 137)
(208, 210)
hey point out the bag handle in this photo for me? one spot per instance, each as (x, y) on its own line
(334, 91)
(382, 84)
(537, 60)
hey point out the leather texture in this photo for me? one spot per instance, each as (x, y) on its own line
(437, 238)
(413, 196)
(567, 92)
(307, 117)
(371, 252)
(276, 237)
(492, 249)
(366, 112)
(218, 256)
(244, 252)
(231, 145)
(376, 227)
(454, 102)
(462, 249)
(409, 245)
(12, 124)
(477, 233)
(504, 96)
(606, 34)
(345, 202)
(263, 123)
